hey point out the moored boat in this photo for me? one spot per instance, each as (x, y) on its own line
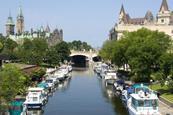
(36, 98)
(110, 77)
(143, 103)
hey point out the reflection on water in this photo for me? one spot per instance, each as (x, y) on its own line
(83, 94)
(64, 85)
(108, 93)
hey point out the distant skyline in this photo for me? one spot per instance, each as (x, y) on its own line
(85, 20)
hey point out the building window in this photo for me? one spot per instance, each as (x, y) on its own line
(162, 20)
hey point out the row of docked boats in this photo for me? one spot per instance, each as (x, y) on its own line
(139, 99)
(37, 97)
(105, 72)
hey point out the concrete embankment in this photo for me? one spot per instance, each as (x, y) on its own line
(165, 109)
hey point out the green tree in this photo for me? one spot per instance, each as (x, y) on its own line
(79, 45)
(63, 51)
(52, 58)
(38, 74)
(107, 50)
(9, 47)
(27, 44)
(12, 82)
(1, 46)
(141, 50)
(144, 51)
(2, 39)
(33, 51)
(58, 53)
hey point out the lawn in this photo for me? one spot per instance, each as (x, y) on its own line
(165, 93)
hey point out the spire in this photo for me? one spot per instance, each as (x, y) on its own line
(47, 28)
(20, 13)
(9, 13)
(122, 10)
(123, 17)
(149, 16)
(164, 6)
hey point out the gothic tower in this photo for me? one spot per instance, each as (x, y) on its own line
(10, 26)
(123, 16)
(164, 14)
(20, 22)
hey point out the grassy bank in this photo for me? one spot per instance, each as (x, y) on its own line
(164, 91)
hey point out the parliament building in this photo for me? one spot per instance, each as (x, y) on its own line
(52, 38)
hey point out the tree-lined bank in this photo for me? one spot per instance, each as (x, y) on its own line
(147, 54)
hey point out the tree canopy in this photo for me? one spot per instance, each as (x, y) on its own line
(58, 53)
(1, 46)
(33, 51)
(79, 45)
(141, 50)
(12, 82)
(9, 47)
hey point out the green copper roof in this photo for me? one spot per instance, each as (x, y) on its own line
(10, 20)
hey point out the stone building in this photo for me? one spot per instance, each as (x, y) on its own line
(56, 37)
(52, 37)
(20, 22)
(162, 22)
(10, 26)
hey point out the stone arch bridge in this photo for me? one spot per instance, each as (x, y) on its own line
(90, 55)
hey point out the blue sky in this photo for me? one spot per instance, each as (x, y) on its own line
(85, 20)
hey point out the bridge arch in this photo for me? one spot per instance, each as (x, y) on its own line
(79, 60)
(96, 58)
(86, 56)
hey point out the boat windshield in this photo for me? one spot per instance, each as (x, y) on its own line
(144, 89)
(49, 81)
(145, 103)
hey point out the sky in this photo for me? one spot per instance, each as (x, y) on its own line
(85, 20)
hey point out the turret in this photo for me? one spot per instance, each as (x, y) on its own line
(10, 26)
(47, 29)
(149, 18)
(164, 14)
(123, 16)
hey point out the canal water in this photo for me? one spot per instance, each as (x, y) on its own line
(84, 94)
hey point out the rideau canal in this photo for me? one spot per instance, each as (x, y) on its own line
(83, 94)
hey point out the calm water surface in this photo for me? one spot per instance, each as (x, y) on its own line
(84, 94)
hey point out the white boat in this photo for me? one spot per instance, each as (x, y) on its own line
(69, 68)
(50, 83)
(36, 98)
(64, 69)
(104, 68)
(98, 69)
(110, 76)
(97, 65)
(143, 103)
(119, 85)
(60, 75)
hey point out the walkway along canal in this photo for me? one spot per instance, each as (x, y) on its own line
(84, 94)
